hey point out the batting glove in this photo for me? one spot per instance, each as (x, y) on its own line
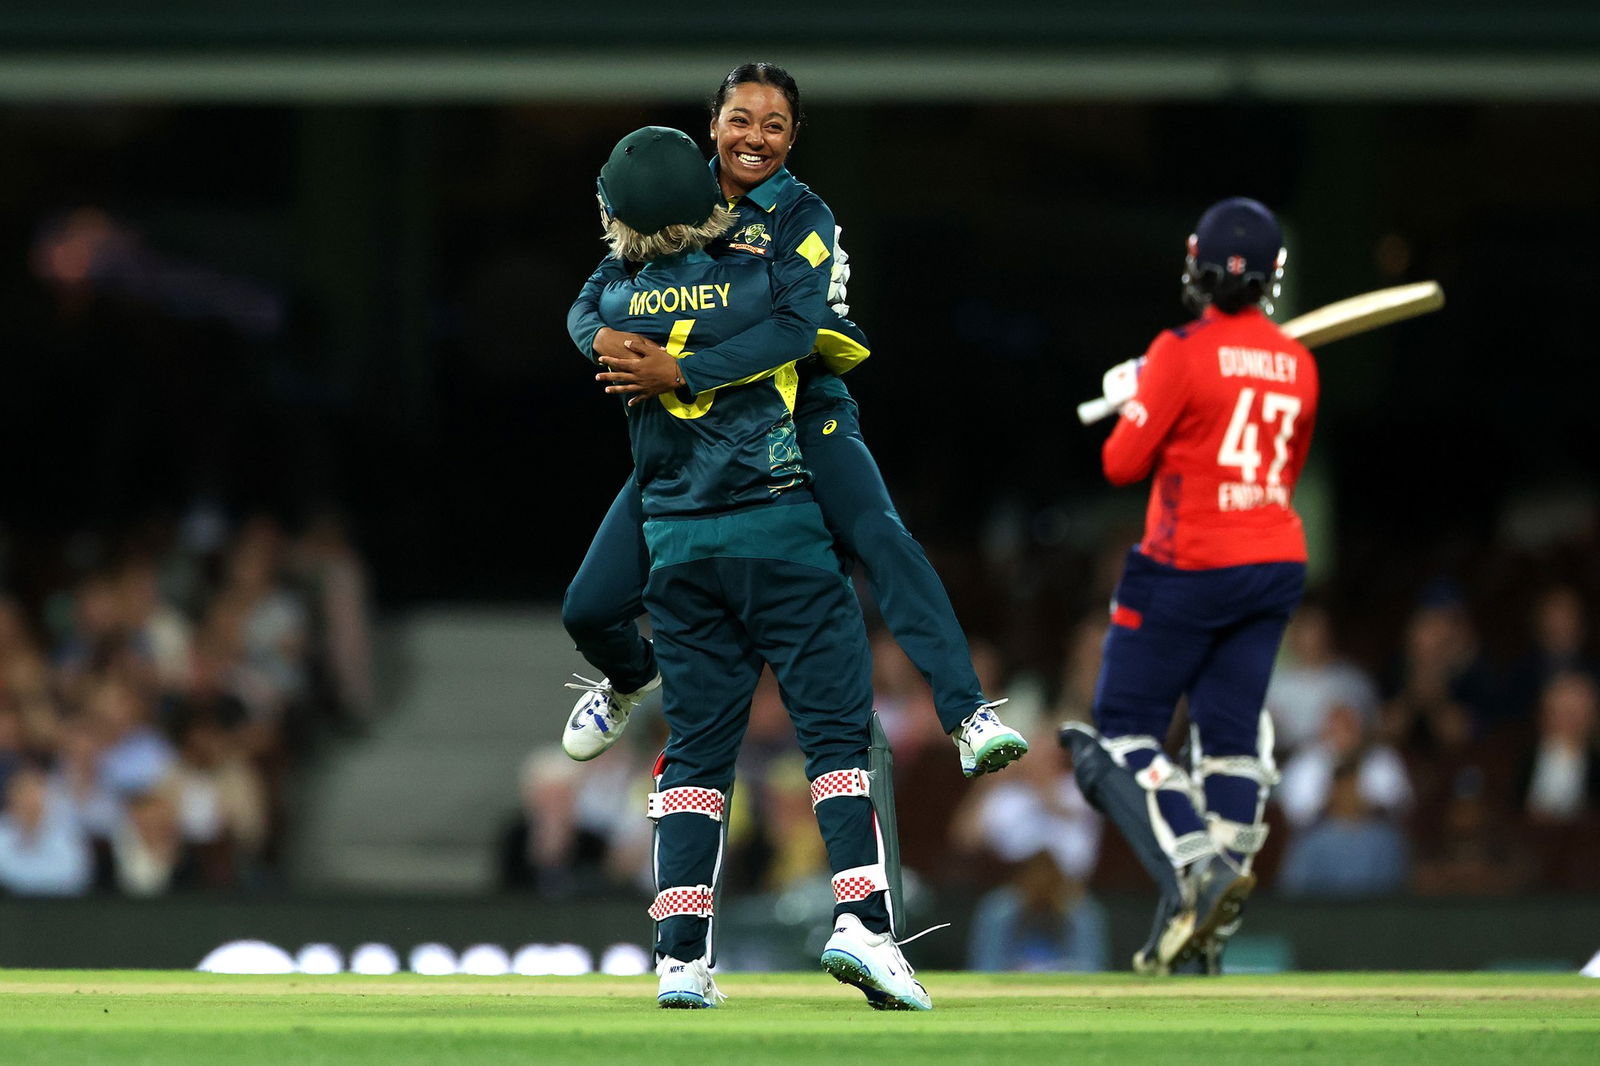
(1121, 383)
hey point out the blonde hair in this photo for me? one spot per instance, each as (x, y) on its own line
(628, 243)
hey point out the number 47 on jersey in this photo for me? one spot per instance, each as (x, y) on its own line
(1241, 449)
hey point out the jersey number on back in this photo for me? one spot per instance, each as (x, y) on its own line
(1239, 444)
(675, 345)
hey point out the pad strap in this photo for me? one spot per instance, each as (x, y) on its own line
(1189, 847)
(859, 882)
(695, 901)
(1158, 773)
(688, 799)
(1162, 774)
(1246, 766)
(1236, 836)
(851, 782)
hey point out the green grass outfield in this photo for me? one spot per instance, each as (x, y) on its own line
(65, 1018)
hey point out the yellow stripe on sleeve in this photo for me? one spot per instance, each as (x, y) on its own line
(814, 249)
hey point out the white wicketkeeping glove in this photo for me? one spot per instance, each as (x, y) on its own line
(840, 277)
(1121, 383)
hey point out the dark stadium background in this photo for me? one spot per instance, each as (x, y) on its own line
(1003, 255)
(407, 253)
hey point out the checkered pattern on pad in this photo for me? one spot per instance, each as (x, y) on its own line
(839, 783)
(859, 882)
(694, 901)
(688, 799)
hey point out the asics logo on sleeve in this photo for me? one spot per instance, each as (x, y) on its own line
(829, 426)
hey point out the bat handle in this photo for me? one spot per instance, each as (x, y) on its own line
(1095, 410)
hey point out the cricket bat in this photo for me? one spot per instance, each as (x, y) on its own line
(1336, 321)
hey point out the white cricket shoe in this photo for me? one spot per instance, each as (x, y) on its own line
(686, 985)
(873, 963)
(600, 716)
(985, 743)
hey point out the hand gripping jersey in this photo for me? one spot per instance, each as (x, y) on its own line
(1224, 414)
(724, 448)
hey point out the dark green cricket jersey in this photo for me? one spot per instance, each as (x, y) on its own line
(726, 448)
(784, 225)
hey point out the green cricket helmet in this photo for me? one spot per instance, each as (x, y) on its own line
(655, 178)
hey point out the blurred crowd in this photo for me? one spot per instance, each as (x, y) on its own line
(155, 704)
(1440, 770)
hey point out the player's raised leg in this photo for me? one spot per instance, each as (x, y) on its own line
(915, 606)
(600, 612)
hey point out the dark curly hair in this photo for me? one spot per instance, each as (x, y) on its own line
(761, 74)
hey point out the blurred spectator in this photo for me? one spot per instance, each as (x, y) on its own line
(582, 826)
(220, 805)
(147, 849)
(25, 683)
(1471, 847)
(1560, 785)
(1559, 644)
(1312, 678)
(1345, 744)
(540, 847)
(78, 780)
(43, 851)
(1351, 851)
(1444, 691)
(94, 626)
(336, 579)
(1040, 920)
(1563, 779)
(134, 756)
(11, 745)
(212, 690)
(157, 628)
(272, 619)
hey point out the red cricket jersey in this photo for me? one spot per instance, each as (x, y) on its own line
(1223, 415)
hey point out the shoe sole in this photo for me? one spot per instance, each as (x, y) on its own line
(1000, 754)
(1227, 909)
(847, 969)
(1175, 939)
(682, 1001)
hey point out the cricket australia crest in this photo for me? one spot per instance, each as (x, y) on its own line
(752, 238)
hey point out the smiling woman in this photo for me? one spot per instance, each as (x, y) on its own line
(755, 118)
